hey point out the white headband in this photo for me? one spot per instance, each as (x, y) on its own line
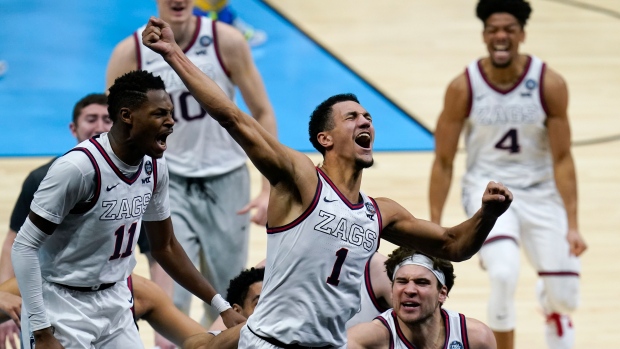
(423, 261)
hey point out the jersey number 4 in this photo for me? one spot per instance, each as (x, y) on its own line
(120, 236)
(510, 142)
(341, 255)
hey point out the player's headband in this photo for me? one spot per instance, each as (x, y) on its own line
(423, 261)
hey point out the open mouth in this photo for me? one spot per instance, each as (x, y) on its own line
(363, 140)
(410, 305)
(178, 8)
(501, 51)
(161, 139)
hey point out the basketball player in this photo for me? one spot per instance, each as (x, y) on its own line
(209, 180)
(321, 229)
(66, 265)
(514, 112)
(90, 117)
(420, 287)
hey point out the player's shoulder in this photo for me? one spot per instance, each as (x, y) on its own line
(480, 336)
(229, 36)
(552, 79)
(459, 84)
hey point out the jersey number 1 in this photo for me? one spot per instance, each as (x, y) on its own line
(510, 142)
(120, 235)
(341, 254)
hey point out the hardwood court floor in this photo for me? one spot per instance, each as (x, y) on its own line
(411, 50)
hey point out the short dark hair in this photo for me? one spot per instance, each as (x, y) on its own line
(521, 9)
(93, 98)
(239, 286)
(129, 90)
(321, 118)
(402, 253)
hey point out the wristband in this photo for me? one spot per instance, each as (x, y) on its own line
(219, 303)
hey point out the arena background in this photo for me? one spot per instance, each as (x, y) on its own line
(398, 56)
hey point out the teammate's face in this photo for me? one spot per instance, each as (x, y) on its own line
(250, 301)
(93, 120)
(151, 123)
(353, 133)
(502, 35)
(415, 296)
(175, 11)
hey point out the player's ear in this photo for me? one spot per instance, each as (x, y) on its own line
(443, 294)
(325, 139)
(124, 115)
(73, 129)
(236, 307)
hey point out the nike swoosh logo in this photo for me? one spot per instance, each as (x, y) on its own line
(325, 199)
(151, 61)
(108, 188)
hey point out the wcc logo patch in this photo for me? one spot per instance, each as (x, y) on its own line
(205, 41)
(530, 84)
(455, 345)
(370, 211)
(148, 167)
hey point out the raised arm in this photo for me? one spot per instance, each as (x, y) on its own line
(457, 243)
(273, 160)
(237, 59)
(556, 100)
(447, 134)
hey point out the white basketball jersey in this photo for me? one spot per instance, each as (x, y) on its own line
(455, 324)
(314, 269)
(199, 146)
(369, 305)
(94, 243)
(505, 134)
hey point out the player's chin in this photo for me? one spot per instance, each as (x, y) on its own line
(157, 150)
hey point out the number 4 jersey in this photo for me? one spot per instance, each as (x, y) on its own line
(505, 134)
(314, 269)
(98, 203)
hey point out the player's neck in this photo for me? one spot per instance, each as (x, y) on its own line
(346, 178)
(429, 334)
(122, 148)
(184, 32)
(504, 78)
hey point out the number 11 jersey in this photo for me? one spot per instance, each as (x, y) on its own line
(314, 269)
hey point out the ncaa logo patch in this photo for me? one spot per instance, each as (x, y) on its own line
(205, 40)
(530, 84)
(370, 210)
(455, 345)
(148, 167)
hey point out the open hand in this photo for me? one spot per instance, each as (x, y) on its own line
(259, 203)
(496, 199)
(158, 36)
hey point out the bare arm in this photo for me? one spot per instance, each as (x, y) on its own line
(480, 335)
(123, 60)
(381, 284)
(447, 134)
(154, 305)
(237, 58)
(290, 173)
(368, 335)
(170, 255)
(556, 99)
(457, 243)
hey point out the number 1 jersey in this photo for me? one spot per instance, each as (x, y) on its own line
(315, 267)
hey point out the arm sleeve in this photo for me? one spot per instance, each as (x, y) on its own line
(25, 260)
(70, 180)
(158, 208)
